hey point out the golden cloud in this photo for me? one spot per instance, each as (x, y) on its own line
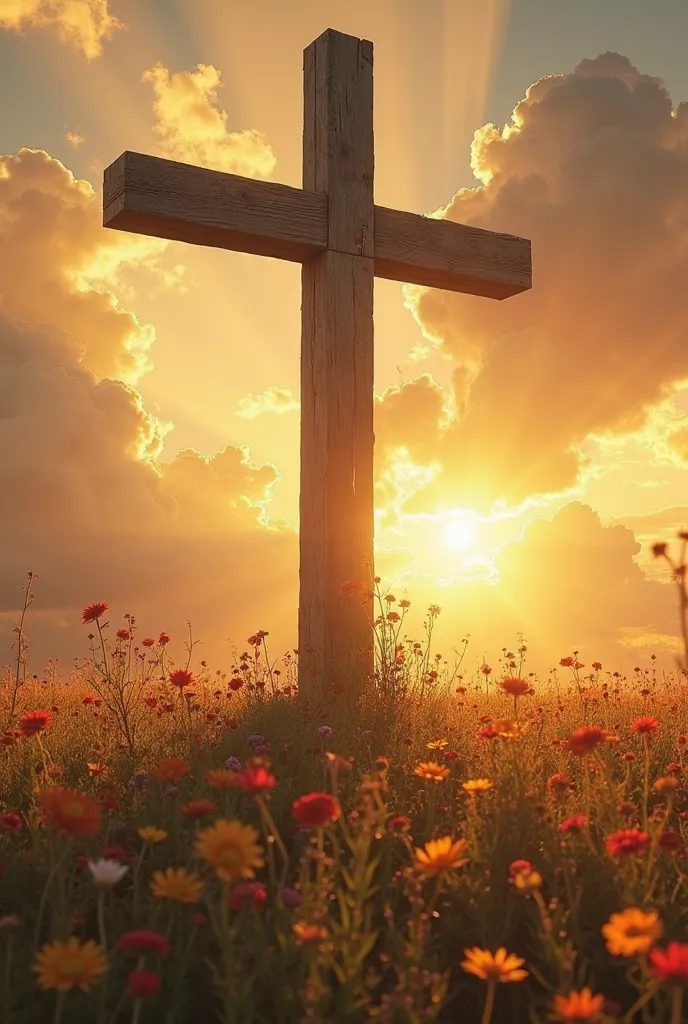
(593, 167)
(272, 400)
(191, 129)
(82, 24)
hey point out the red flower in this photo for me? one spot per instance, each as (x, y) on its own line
(674, 768)
(350, 587)
(670, 965)
(514, 686)
(11, 822)
(143, 984)
(559, 782)
(627, 840)
(597, 665)
(148, 641)
(236, 683)
(584, 740)
(573, 824)
(315, 809)
(567, 662)
(256, 780)
(198, 808)
(92, 612)
(487, 733)
(164, 639)
(669, 840)
(247, 896)
(115, 853)
(123, 634)
(645, 726)
(518, 867)
(144, 940)
(181, 678)
(399, 824)
(34, 722)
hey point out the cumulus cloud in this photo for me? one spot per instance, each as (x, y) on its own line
(272, 400)
(190, 128)
(82, 24)
(58, 264)
(593, 167)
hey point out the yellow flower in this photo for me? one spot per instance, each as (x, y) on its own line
(477, 785)
(527, 881)
(71, 964)
(500, 966)
(440, 855)
(177, 884)
(577, 1007)
(151, 834)
(231, 848)
(431, 770)
(222, 778)
(437, 744)
(508, 729)
(632, 931)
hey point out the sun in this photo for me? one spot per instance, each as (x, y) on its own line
(460, 534)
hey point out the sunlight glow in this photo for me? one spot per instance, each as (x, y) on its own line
(460, 534)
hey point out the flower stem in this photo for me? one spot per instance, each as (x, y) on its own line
(101, 919)
(489, 1002)
(59, 1007)
(676, 1004)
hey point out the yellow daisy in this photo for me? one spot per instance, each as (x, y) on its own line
(71, 964)
(440, 855)
(177, 884)
(151, 834)
(499, 966)
(631, 932)
(431, 770)
(231, 848)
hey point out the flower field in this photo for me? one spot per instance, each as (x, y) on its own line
(179, 844)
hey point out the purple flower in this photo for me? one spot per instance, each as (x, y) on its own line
(234, 764)
(290, 897)
(256, 740)
(324, 732)
(139, 780)
(171, 791)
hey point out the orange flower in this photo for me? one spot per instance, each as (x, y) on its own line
(231, 848)
(584, 740)
(631, 932)
(431, 771)
(667, 784)
(473, 786)
(440, 855)
(222, 778)
(514, 686)
(499, 966)
(172, 769)
(256, 780)
(577, 1007)
(70, 811)
(305, 932)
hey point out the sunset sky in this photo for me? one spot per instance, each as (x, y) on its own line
(528, 452)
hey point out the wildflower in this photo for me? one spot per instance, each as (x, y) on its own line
(527, 881)
(198, 808)
(440, 855)
(11, 822)
(256, 780)
(71, 964)
(399, 824)
(123, 634)
(231, 848)
(291, 897)
(172, 769)
(670, 965)
(222, 778)
(151, 834)
(473, 786)
(324, 732)
(627, 840)
(117, 853)
(669, 840)
(34, 722)
(181, 678)
(645, 726)
(70, 811)
(567, 662)
(519, 866)
(437, 744)
(508, 729)
(93, 612)
(164, 639)
(488, 732)
(485, 669)
(597, 665)
(514, 686)
(431, 771)
(148, 641)
(584, 740)
(573, 824)
(315, 809)
(247, 895)
(499, 966)
(667, 784)
(674, 768)
(559, 783)
(143, 984)
(106, 873)
(577, 1007)
(632, 931)
(144, 940)
(305, 932)
(177, 884)
(659, 549)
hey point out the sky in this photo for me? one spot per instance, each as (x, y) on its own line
(528, 452)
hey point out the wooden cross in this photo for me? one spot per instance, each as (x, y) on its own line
(343, 241)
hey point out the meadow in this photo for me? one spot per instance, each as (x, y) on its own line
(180, 844)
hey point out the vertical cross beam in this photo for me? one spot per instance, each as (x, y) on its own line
(336, 501)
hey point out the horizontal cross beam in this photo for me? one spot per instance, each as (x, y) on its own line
(152, 196)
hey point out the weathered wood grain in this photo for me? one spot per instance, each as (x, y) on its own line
(444, 254)
(152, 196)
(336, 498)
